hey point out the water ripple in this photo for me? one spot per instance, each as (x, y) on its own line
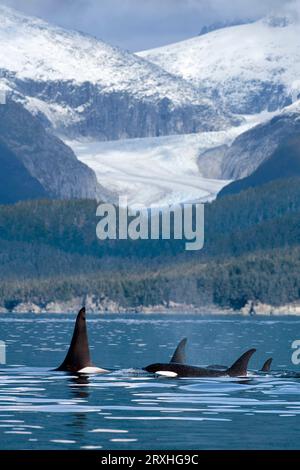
(40, 408)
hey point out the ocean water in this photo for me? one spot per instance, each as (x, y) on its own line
(129, 409)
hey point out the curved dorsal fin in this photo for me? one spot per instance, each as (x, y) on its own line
(179, 354)
(240, 366)
(267, 365)
(78, 355)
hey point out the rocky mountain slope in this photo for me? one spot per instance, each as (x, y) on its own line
(44, 157)
(16, 183)
(256, 145)
(283, 163)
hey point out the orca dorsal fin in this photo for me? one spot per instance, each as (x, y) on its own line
(239, 367)
(267, 365)
(179, 356)
(78, 355)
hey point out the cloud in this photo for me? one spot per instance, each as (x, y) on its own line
(142, 24)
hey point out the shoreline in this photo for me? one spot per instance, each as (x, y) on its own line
(107, 306)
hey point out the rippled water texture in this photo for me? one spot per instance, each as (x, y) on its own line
(127, 409)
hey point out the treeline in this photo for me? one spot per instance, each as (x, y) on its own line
(49, 251)
(270, 277)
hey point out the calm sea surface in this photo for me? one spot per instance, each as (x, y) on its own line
(128, 409)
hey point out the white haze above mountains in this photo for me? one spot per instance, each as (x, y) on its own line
(158, 125)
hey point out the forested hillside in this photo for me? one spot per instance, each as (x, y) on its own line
(49, 251)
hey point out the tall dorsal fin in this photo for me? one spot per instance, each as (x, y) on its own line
(179, 354)
(240, 366)
(267, 365)
(78, 355)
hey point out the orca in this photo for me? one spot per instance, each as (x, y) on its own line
(172, 369)
(179, 357)
(267, 365)
(217, 367)
(78, 357)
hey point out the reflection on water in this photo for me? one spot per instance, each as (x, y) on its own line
(128, 409)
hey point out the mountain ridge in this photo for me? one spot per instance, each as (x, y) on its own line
(248, 68)
(86, 87)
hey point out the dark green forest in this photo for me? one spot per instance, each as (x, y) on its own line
(49, 251)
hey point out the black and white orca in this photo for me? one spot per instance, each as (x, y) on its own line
(177, 367)
(78, 357)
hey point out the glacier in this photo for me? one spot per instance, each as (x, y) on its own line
(159, 171)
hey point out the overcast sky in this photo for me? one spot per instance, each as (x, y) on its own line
(143, 24)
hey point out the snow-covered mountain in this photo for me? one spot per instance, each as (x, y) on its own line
(81, 86)
(246, 68)
(181, 121)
